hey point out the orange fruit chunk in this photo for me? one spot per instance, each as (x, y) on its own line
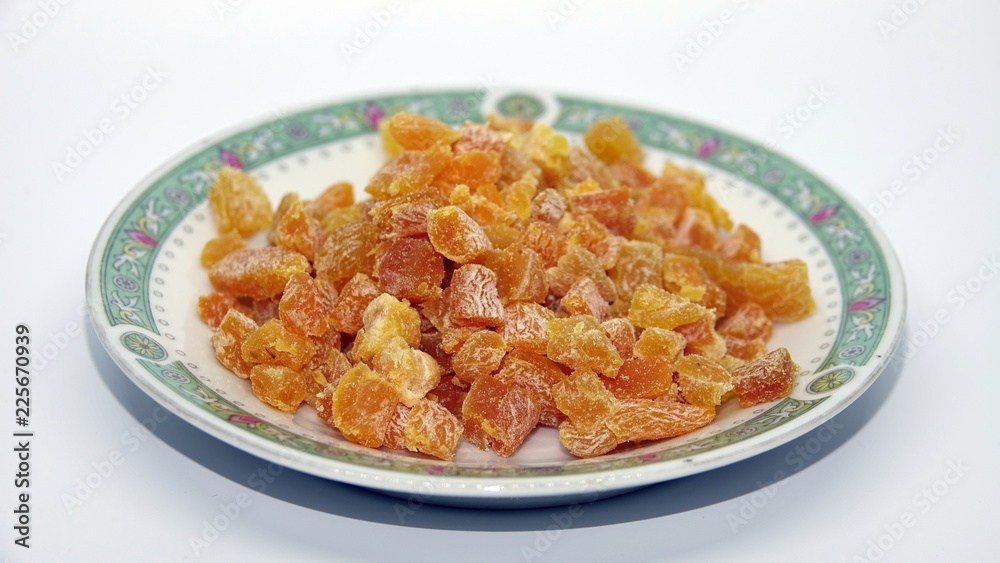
(413, 372)
(654, 419)
(298, 230)
(260, 273)
(278, 386)
(336, 196)
(346, 313)
(612, 208)
(765, 379)
(473, 297)
(363, 405)
(748, 322)
(742, 245)
(347, 251)
(622, 335)
(228, 340)
(479, 355)
(412, 170)
(580, 343)
(597, 441)
(639, 263)
(416, 132)
(702, 339)
(610, 139)
(212, 308)
(546, 240)
(537, 373)
(406, 215)
(583, 298)
(584, 400)
(456, 235)
(655, 307)
(524, 326)
(702, 381)
(239, 203)
(580, 263)
(660, 342)
(431, 429)
(498, 414)
(409, 268)
(385, 318)
(304, 306)
(520, 274)
(642, 378)
(684, 276)
(272, 343)
(217, 248)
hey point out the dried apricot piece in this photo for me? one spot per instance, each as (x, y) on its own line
(433, 430)
(272, 343)
(304, 306)
(499, 414)
(692, 183)
(479, 137)
(612, 208)
(456, 235)
(297, 230)
(748, 322)
(702, 381)
(259, 273)
(656, 307)
(524, 326)
(539, 374)
(548, 206)
(385, 318)
(584, 400)
(409, 268)
(743, 245)
(449, 393)
(702, 339)
(239, 203)
(212, 308)
(546, 240)
(583, 298)
(410, 171)
(474, 168)
(660, 342)
(480, 355)
(336, 196)
(579, 263)
(395, 433)
(598, 441)
(406, 215)
(745, 349)
(642, 378)
(610, 139)
(328, 365)
(664, 200)
(413, 372)
(362, 406)
(780, 288)
(473, 297)
(521, 275)
(622, 335)
(228, 340)
(653, 419)
(631, 175)
(337, 218)
(580, 343)
(547, 149)
(278, 386)
(217, 248)
(347, 251)
(684, 276)
(416, 132)
(519, 196)
(501, 236)
(765, 379)
(346, 312)
(639, 263)
(697, 229)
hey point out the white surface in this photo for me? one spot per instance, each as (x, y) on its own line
(885, 462)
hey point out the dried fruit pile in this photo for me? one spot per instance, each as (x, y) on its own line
(498, 279)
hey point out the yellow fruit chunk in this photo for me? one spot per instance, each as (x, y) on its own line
(239, 203)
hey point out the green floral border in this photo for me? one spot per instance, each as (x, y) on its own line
(126, 265)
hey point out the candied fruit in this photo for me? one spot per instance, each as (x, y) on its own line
(642, 378)
(474, 300)
(580, 343)
(653, 419)
(610, 139)
(347, 310)
(212, 308)
(748, 322)
(499, 414)
(347, 251)
(456, 235)
(304, 306)
(537, 373)
(384, 318)
(584, 400)
(363, 405)
(228, 340)
(278, 386)
(272, 343)
(409, 268)
(259, 273)
(416, 132)
(660, 342)
(765, 379)
(521, 275)
(743, 245)
(239, 203)
(298, 230)
(479, 355)
(579, 263)
(702, 381)
(639, 263)
(433, 430)
(583, 298)
(524, 326)
(217, 248)
(413, 372)
(598, 441)
(410, 171)
(656, 307)
(622, 335)
(612, 208)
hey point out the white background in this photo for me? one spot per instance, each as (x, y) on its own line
(890, 92)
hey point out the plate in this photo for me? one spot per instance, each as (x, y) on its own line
(144, 278)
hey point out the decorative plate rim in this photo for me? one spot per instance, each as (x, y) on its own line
(495, 489)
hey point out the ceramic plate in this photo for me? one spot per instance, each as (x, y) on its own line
(144, 278)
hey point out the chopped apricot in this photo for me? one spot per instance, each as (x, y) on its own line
(259, 273)
(546, 240)
(582, 397)
(524, 326)
(499, 414)
(228, 340)
(610, 139)
(655, 307)
(217, 248)
(431, 429)
(480, 355)
(406, 215)
(660, 342)
(456, 235)
(622, 335)
(579, 342)
(702, 381)
(272, 343)
(299, 231)
(412, 372)
(346, 312)
(363, 405)
(743, 245)
(346, 252)
(583, 298)
(765, 379)
(278, 386)
(336, 196)
(212, 308)
(702, 339)
(239, 203)
(416, 132)
(613, 208)
(579, 263)
(521, 275)
(304, 306)
(639, 263)
(748, 322)
(385, 318)
(642, 378)
(537, 373)
(409, 268)
(474, 300)
(653, 419)
(412, 170)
